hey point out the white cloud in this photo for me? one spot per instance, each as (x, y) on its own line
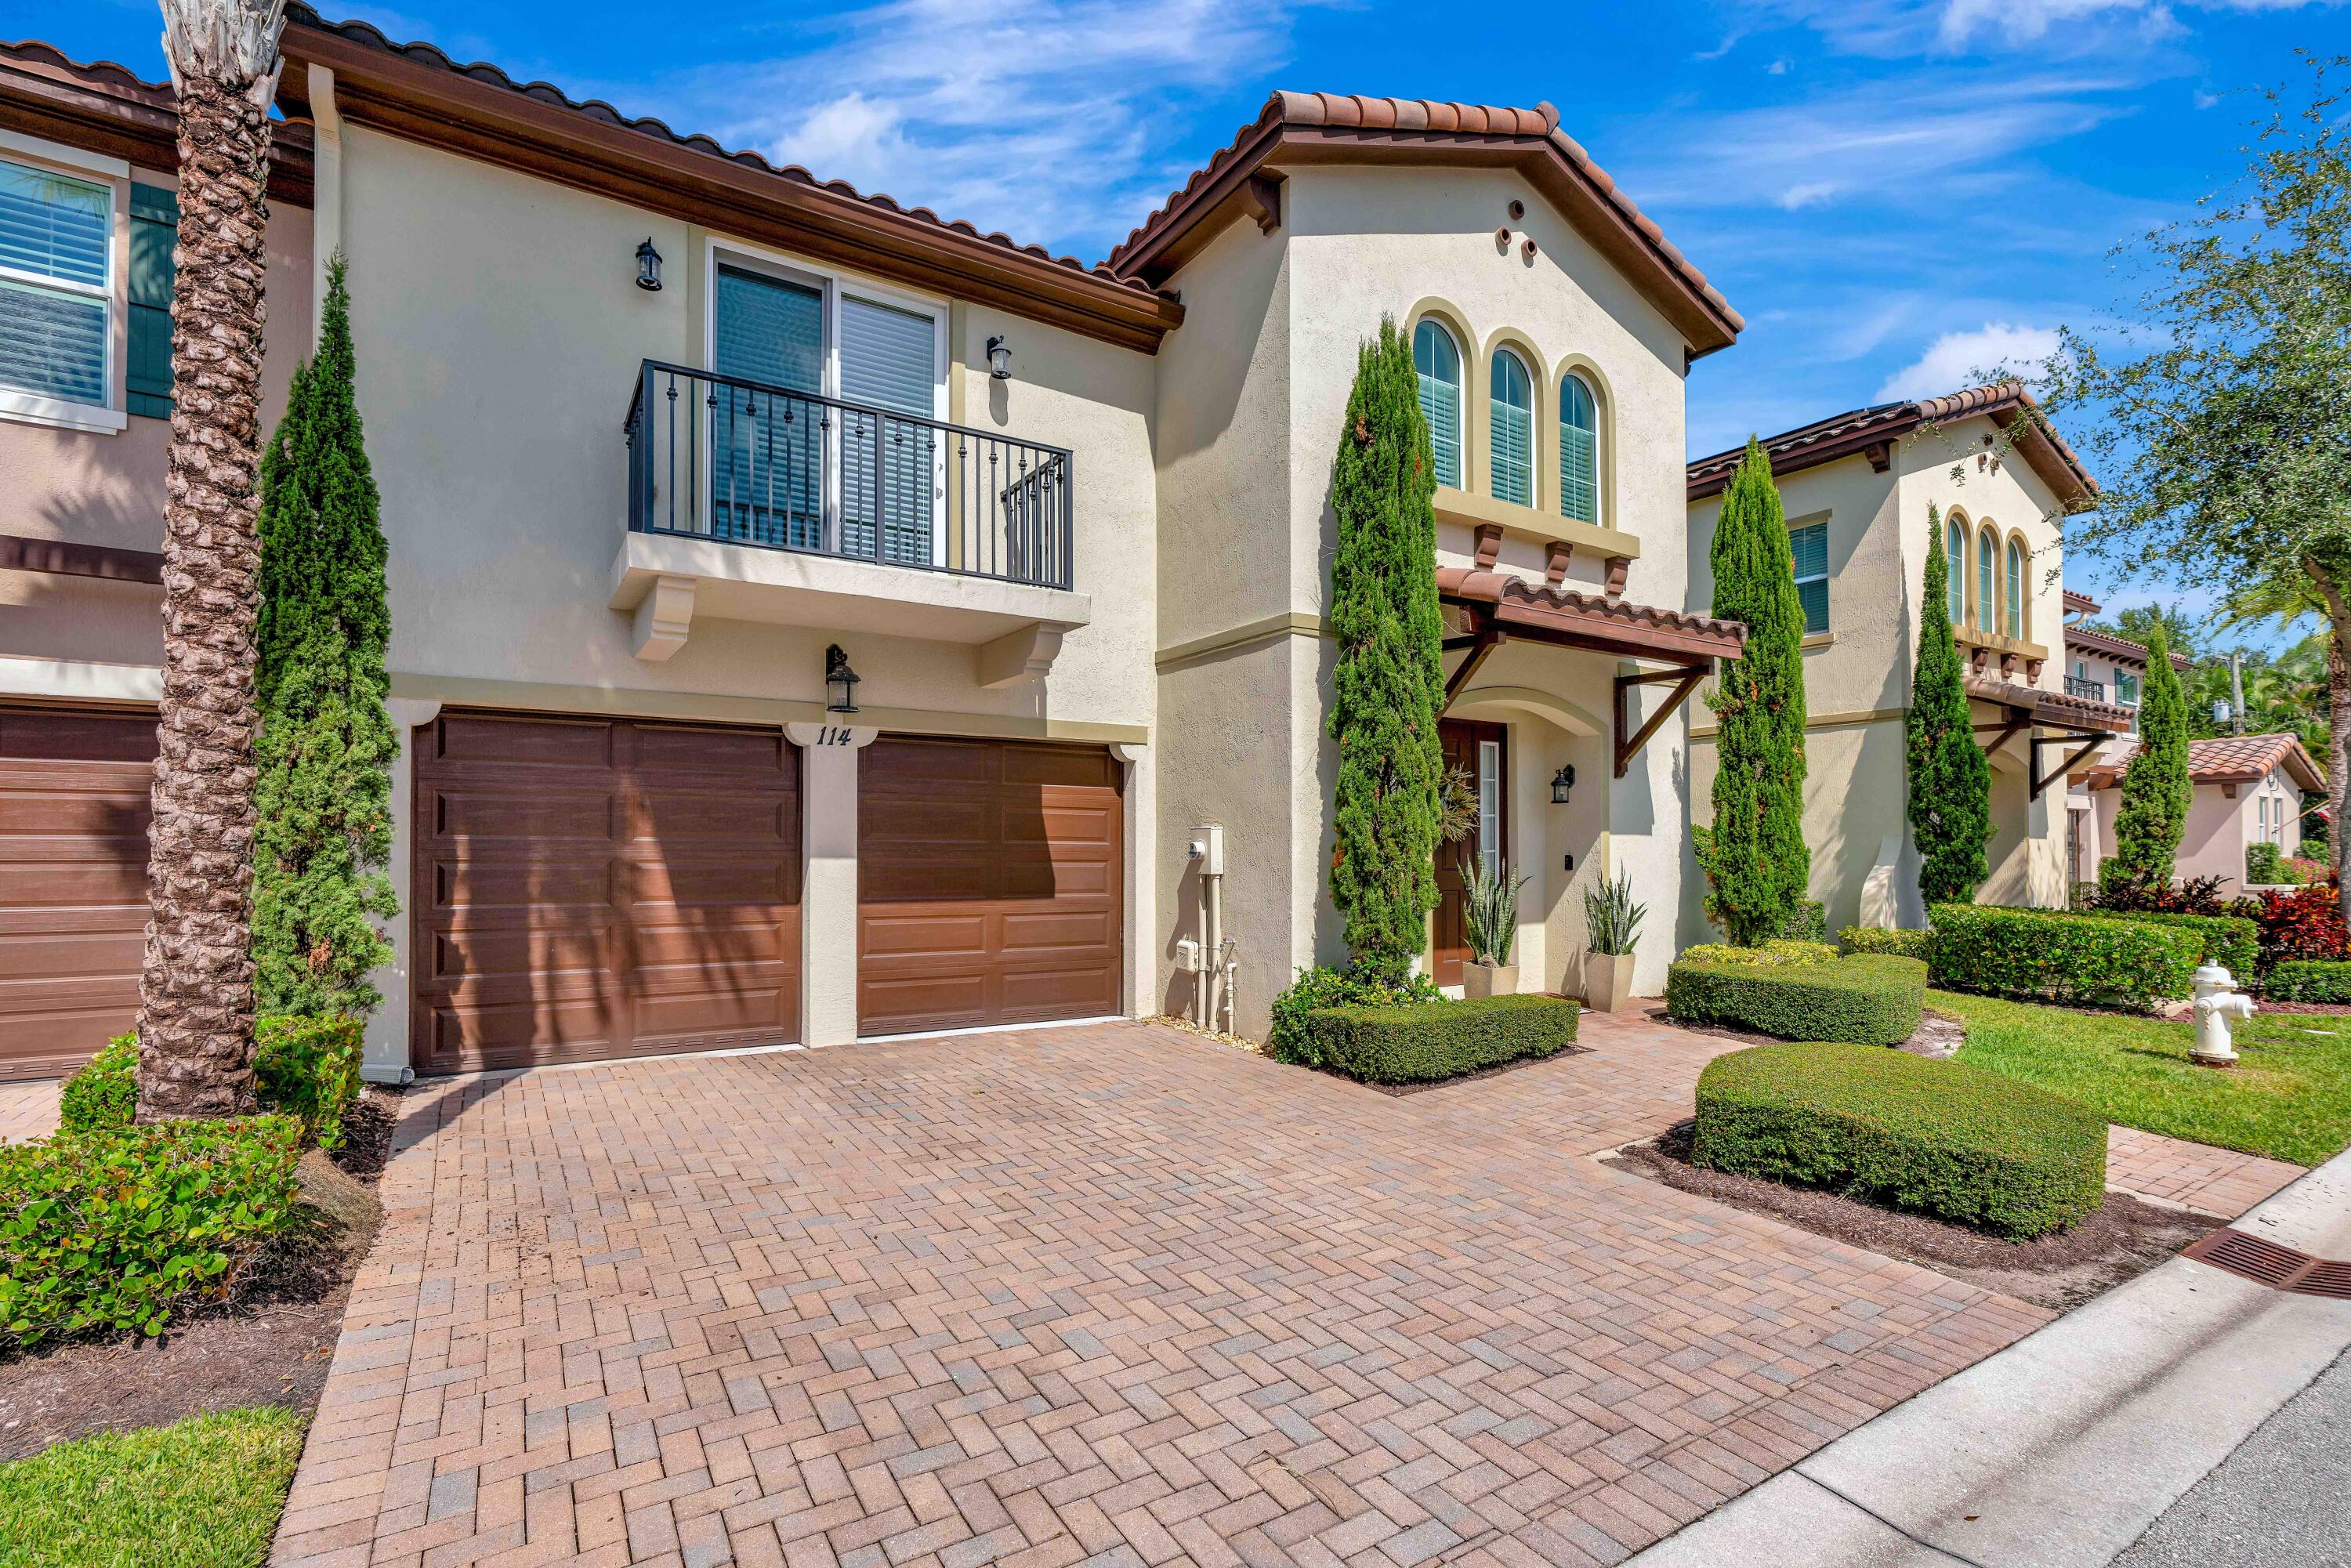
(1959, 360)
(1889, 29)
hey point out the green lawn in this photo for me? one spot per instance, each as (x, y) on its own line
(2290, 1098)
(204, 1492)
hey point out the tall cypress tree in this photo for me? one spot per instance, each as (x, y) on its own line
(1754, 857)
(1950, 780)
(326, 746)
(1389, 686)
(2157, 790)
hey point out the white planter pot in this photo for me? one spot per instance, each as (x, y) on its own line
(1608, 981)
(1489, 979)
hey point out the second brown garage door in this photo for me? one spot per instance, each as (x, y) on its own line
(990, 883)
(592, 888)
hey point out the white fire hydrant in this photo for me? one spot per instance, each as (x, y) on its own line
(2218, 1002)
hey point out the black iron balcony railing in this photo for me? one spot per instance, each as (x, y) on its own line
(2075, 687)
(742, 462)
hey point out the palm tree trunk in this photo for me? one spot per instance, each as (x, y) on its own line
(196, 990)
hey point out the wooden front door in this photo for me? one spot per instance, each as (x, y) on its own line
(1482, 751)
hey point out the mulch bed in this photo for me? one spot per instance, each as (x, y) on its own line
(271, 1346)
(2125, 1237)
(2323, 1009)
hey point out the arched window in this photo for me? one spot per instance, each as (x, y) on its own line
(1439, 361)
(1986, 585)
(1579, 450)
(1513, 431)
(1955, 556)
(2013, 621)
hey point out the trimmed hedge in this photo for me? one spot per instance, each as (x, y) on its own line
(2233, 941)
(1778, 950)
(1325, 987)
(1932, 1137)
(2309, 981)
(1871, 999)
(117, 1228)
(2044, 954)
(1900, 943)
(1417, 1042)
(306, 1067)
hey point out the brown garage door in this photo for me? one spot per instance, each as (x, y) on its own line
(990, 883)
(73, 882)
(592, 888)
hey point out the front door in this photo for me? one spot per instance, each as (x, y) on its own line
(1479, 752)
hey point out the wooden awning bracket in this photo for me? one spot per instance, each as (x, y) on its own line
(2090, 739)
(1686, 677)
(1481, 645)
(2005, 730)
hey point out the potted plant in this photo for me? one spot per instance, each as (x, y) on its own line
(1612, 924)
(1490, 920)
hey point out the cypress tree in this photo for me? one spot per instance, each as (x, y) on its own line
(2157, 790)
(1754, 857)
(1950, 780)
(1389, 686)
(326, 745)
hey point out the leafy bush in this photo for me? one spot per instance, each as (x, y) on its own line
(2063, 958)
(105, 1092)
(1880, 939)
(1770, 953)
(2233, 941)
(2265, 863)
(1808, 922)
(2151, 895)
(119, 1228)
(2304, 924)
(1933, 1137)
(1327, 988)
(1419, 1041)
(2307, 870)
(1871, 999)
(2309, 981)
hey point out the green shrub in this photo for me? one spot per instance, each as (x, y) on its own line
(1902, 944)
(2120, 960)
(1776, 952)
(1808, 922)
(1932, 1137)
(1418, 1041)
(2266, 864)
(2309, 981)
(2232, 941)
(118, 1227)
(1863, 1000)
(105, 1092)
(1327, 988)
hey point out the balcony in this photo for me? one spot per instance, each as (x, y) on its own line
(2075, 687)
(753, 502)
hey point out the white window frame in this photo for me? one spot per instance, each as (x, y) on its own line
(1491, 851)
(833, 286)
(108, 418)
(1821, 576)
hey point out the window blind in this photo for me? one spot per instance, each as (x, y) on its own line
(54, 284)
(1579, 452)
(1513, 470)
(1810, 547)
(1439, 365)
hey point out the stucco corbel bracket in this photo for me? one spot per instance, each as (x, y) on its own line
(664, 617)
(1490, 545)
(1618, 564)
(1880, 455)
(1260, 197)
(1557, 554)
(1019, 658)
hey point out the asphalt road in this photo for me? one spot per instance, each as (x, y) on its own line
(2284, 1497)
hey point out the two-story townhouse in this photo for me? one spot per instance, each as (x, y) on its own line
(673, 444)
(1856, 488)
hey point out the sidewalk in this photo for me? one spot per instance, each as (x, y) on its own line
(2059, 1452)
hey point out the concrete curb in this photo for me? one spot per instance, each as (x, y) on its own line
(2059, 1452)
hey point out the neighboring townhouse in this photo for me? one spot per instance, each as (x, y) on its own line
(813, 620)
(2104, 668)
(1856, 489)
(2249, 789)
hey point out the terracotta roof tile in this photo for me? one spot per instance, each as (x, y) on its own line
(2115, 647)
(2230, 759)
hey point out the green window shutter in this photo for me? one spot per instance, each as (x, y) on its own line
(1810, 547)
(1513, 470)
(154, 230)
(1579, 452)
(1439, 364)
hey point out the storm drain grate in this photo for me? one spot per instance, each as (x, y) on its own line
(2267, 1263)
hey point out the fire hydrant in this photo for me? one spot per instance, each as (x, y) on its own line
(2218, 1002)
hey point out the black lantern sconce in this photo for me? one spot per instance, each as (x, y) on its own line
(840, 682)
(649, 266)
(999, 359)
(1560, 783)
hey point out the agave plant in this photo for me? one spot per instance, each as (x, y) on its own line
(1490, 910)
(1611, 919)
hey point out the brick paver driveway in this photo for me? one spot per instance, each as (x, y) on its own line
(1110, 1292)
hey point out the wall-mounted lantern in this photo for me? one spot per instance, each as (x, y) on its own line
(1560, 783)
(840, 682)
(649, 266)
(999, 359)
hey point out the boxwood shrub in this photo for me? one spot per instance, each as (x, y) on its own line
(1779, 950)
(2233, 941)
(1325, 987)
(1415, 1042)
(307, 1067)
(2045, 953)
(1807, 922)
(2309, 981)
(1932, 1137)
(1902, 944)
(1871, 999)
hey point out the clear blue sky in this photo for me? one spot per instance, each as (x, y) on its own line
(1894, 192)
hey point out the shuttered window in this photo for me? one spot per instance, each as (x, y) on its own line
(1955, 552)
(889, 360)
(154, 230)
(767, 456)
(1810, 546)
(1512, 471)
(1987, 585)
(1439, 361)
(1579, 451)
(2014, 616)
(56, 285)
